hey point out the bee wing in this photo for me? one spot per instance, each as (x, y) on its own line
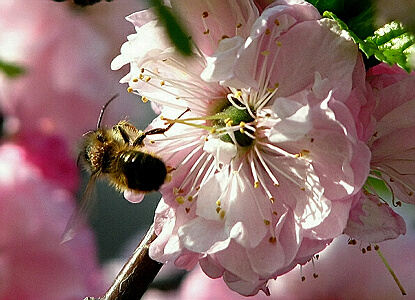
(80, 215)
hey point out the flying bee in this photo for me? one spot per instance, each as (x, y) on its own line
(118, 154)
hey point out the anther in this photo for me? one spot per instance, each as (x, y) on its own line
(130, 89)
(135, 79)
(187, 210)
(180, 199)
(272, 240)
(205, 14)
(267, 222)
(277, 22)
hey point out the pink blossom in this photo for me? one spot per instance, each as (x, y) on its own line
(392, 144)
(34, 213)
(272, 156)
(343, 273)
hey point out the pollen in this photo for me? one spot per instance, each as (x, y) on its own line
(142, 70)
(147, 78)
(218, 209)
(218, 203)
(168, 178)
(239, 25)
(278, 43)
(277, 22)
(267, 31)
(205, 14)
(256, 184)
(222, 214)
(141, 76)
(190, 198)
(135, 79)
(267, 222)
(162, 83)
(130, 89)
(180, 199)
(275, 213)
(265, 53)
(272, 240)
(272, 199)
(237, 94)
(207, 31)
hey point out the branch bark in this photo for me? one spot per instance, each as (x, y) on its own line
(136, 275)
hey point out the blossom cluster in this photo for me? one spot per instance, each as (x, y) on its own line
(283, 127)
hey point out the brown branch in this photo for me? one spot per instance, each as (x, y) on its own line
(136, 275)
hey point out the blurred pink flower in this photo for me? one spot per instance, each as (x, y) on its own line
(272, 155)
(33, 215)
(66, 61)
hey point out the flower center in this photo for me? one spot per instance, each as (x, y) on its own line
(230, 116)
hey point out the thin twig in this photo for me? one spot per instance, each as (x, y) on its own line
(136, 275)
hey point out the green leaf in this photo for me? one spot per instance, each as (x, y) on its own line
(174, 29)
(11, 70)
(392, 43)
(359, 15)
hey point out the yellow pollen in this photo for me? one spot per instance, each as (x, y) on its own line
(218, 209)
(272, 240)
(180, 199)
(239, 25)
(205, 14)
(144, 99)
(147, 78)
(135, 79)
(267, 31)
(213, 130)
(229, 123)
(265, 53)
(277, 22)
(141, 76)
(218, 202)
(170, 169)
(278, 43)
(256, 184)
(241, 130)
(187, 210)
(272, 199)
(190, 198)
(152, 141)
(142, 70)
(222, 214)
(276, 85)
(242, 124)
(162, 83)
(267, 222)
(130, 89)
(207, 31)
(270, 90)
(238, 94)
(168, 178)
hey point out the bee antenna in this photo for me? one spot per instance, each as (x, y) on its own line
(103, 109)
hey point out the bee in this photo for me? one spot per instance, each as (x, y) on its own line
(118, 154)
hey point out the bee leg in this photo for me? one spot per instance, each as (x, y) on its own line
(140, 139)
(124, 134)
